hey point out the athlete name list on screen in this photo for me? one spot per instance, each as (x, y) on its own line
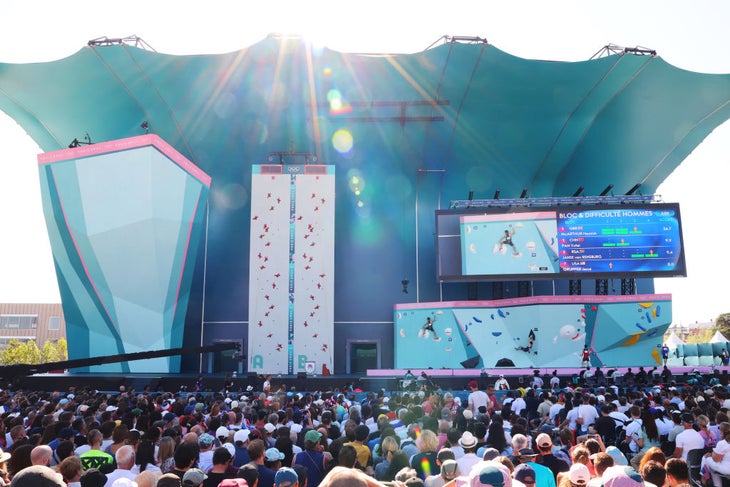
(618, 240)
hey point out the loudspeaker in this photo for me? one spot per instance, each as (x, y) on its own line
(470, 363)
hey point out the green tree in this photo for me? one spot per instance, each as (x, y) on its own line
(18, 352)
(49, 353)
(62, 346)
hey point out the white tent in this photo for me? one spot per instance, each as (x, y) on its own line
(673, 341)
(718, 338)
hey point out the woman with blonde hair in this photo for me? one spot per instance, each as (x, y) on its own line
(388, 446)
(706, 433)
(166, 454)
(424, 462)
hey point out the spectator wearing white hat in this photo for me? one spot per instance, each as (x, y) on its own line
(469, 443)
(240, 441)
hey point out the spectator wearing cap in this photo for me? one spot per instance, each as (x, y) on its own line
(205, 461)
(524, 474)
(442, 456)
(221, 434)
(273, 458)
(544, 446)
(125, 461)
(469, 443)
(449, 471)
(286, 477)
(476, 397)
(578, 476)
(240, 441)
(489, 474)
(194, 477)
(688, 439)
(624, 476)
(257, 452)
(543, 475)
(312, 458)
(222, 459)
(267, 432)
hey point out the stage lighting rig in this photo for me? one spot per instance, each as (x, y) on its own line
(404, 283)
(145, 126)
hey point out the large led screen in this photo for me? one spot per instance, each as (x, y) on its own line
(571, 242)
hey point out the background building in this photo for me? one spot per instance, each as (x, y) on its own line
(31, 321)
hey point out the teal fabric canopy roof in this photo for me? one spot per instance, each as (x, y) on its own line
(486, 118)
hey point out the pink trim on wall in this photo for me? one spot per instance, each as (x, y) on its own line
(574, 299)
(126, 144)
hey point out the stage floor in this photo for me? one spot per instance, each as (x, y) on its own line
(374, 380)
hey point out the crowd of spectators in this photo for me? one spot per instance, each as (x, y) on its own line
(656, 436)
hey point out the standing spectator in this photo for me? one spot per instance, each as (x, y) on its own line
(469, 443)
(205, 459)
(476, 397)
(125, 462)
(257, 452)
(186, 457)
(70, 469)
(94, 457)
(545, 449)
(222, 459)
(501, 384)
(194, 478)
(165, 454)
